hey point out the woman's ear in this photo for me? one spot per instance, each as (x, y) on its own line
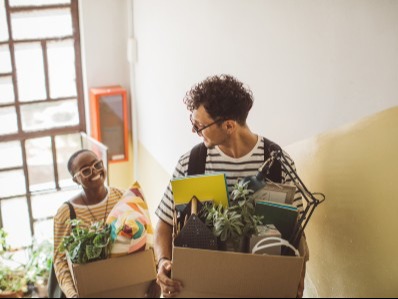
(76, 180)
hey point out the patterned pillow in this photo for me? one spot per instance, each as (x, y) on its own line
(131, 226)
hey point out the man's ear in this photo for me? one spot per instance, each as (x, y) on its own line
(230, 125)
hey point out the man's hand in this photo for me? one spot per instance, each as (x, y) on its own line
(170, 288)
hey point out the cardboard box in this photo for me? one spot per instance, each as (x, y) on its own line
(121, 277)
(206, 274)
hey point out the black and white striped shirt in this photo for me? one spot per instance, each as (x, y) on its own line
(234, 170)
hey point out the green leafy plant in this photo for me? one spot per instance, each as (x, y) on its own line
(3, 241)
(38, 268)
(226, 224)
(12, 273)
(87, 244)
(243, 203)
(236, 222)
(40, 261)
(12, 280)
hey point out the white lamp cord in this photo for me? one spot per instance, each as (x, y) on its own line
(279, 242)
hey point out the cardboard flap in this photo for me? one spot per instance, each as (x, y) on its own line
(206, 273)
(114, 273)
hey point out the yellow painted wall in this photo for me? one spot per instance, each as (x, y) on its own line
(152, 178)
(353, 236)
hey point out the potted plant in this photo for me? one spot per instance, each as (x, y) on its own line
(236, 224)
(39, 266)
(12, 274)
(12, 282)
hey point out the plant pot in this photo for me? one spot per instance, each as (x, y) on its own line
(241, 245)
(11, 294)
(42, 288)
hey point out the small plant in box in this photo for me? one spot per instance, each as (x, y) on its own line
(234, 225)
(226, 225)
(244, 204)
(87, 244)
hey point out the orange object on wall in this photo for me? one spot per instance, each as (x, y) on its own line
(109, 122)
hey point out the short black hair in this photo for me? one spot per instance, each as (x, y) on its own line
(223, 97)
(73, 158)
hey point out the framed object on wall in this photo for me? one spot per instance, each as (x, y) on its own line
(109, 122)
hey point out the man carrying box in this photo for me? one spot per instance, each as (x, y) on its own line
(219, 107)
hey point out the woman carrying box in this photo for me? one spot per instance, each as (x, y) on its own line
(92, 204)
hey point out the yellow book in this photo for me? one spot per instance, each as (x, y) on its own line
(204, 187)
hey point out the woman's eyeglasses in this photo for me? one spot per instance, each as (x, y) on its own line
(85, 172)
(199, 130)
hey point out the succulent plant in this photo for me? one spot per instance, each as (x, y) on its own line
(237, 221)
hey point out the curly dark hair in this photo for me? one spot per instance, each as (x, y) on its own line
(223, 97)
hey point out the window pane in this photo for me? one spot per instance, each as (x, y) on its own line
(6, 90)
(8, 118)
(5, 60)
(12, 183)
(40, 164)
(47, 205)
(62, 73)
(16, 222)
(44, 231)
(42, 24)
(49, 115)
(3, 22)
(37, 2)
(30, 72)
(66, 145)
(11, 154)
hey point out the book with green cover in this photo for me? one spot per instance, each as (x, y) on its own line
(283, 216)
(204, 187)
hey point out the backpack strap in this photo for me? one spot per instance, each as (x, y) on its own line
(197, 159)
(71, 210)
(198, 155)
(53, 288)
(275, 173)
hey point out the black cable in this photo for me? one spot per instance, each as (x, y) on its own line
(311, 198)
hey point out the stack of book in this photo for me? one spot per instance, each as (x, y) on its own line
(275, 205)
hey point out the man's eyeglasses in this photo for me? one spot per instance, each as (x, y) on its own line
(85, 172)
(199, 130)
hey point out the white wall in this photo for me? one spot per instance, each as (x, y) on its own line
(105, 26)
(312, 65)
(104, 29)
